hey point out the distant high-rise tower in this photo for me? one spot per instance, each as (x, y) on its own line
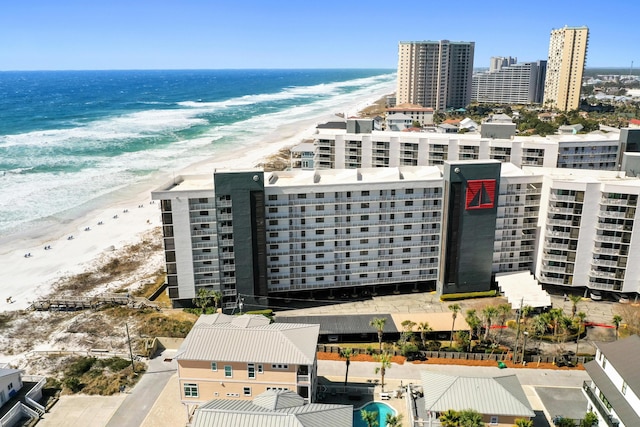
(435, 74)
(498, 62)
(567, 58)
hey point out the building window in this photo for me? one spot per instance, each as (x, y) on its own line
(279, 366)
(494, 420)
(190, 390)
(260, 369)
(624, 387)
(246, 391)
(214, 366)
(228, 371)
(251, 371)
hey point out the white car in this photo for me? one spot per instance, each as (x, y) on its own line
(595, 295)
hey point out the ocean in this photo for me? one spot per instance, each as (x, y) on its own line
(71, 138)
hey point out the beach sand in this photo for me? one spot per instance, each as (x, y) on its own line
(124, 219)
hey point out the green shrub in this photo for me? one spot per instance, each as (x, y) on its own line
(115, 364)
(466, 295)
(73, 384)
(408, 349)
(80, 366)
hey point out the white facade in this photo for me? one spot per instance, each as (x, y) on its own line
(613, 393)
(337, 149)
(513, 84)
(347, 228)
(587, 222)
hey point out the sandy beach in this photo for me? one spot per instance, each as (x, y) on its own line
(31, 263)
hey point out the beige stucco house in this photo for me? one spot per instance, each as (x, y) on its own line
(240, 357)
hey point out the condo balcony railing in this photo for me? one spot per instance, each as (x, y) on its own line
(597, 403)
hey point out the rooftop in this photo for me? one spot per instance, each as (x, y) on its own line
(249, 338)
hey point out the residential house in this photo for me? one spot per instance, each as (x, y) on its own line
(500, 400)
(613, 393)
(19, 397)
(10, 384)
(302, 156)
(399, 122)
(272, 408)
(570, 129)
(239, 357)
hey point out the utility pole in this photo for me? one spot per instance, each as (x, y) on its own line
(518, 314)
(133, 368)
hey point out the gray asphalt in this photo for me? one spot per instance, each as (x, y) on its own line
(140, 400)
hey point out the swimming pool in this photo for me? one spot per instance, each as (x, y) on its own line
(381, 408)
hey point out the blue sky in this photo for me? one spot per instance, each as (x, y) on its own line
(171, 34)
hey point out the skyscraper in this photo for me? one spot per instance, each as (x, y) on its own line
(435, 74)
(498, 62)
(565, 65)
(510, 84)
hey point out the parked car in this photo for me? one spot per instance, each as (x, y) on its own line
(595, 295)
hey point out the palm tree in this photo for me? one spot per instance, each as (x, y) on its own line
(575, 299)
(370, 417)
(617, 319)
(489, 313)
(202, 299)
(407, 330)
(470, 418)
(217, 297)
(346, 353)
(424, 327)
(385, 363)
(450, 418)
(378, 324)
(394, 420)
(455, 308)
(503, 311)
(581, 315)
(539, 326)
(473, 321)
(522, 422)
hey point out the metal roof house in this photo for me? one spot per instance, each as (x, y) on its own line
(272, 408)
(500, 400)
(239, 357)
(613, 393)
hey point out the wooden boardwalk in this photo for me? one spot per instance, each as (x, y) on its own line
(67, 303)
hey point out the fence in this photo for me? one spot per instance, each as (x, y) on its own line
(467, 356)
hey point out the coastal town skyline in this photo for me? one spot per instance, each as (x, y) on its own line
(202, 35)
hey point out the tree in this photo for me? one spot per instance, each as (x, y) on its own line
(424, 327)
(385, 363)
(463, 339)
(394, 420)
(617, 319)
(489, 313)
(378, 324)
(217, 297)
(575, 299)
(503, 311)
(455, 308)
(473, 321)
(523, 422)
(580, 316)
(202, 299)
(346, 353)
(370, 417)
(563, 422)
(539, 326)
(590, 420)
(450, 418)
(470, 418)
(407, 331)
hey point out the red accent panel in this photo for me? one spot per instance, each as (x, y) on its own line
(481, 194)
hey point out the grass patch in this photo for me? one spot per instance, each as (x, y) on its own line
(467, 295)
(103, 377)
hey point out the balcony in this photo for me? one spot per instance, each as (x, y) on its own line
(597, 403)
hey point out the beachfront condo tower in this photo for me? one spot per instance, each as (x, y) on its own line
(565, 65)
(435, 74)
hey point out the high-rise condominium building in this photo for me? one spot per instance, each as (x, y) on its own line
(435, 74)
(565, 65)
(498, 62)
(510, 84)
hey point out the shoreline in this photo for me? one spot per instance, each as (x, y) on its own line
(125, 215)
